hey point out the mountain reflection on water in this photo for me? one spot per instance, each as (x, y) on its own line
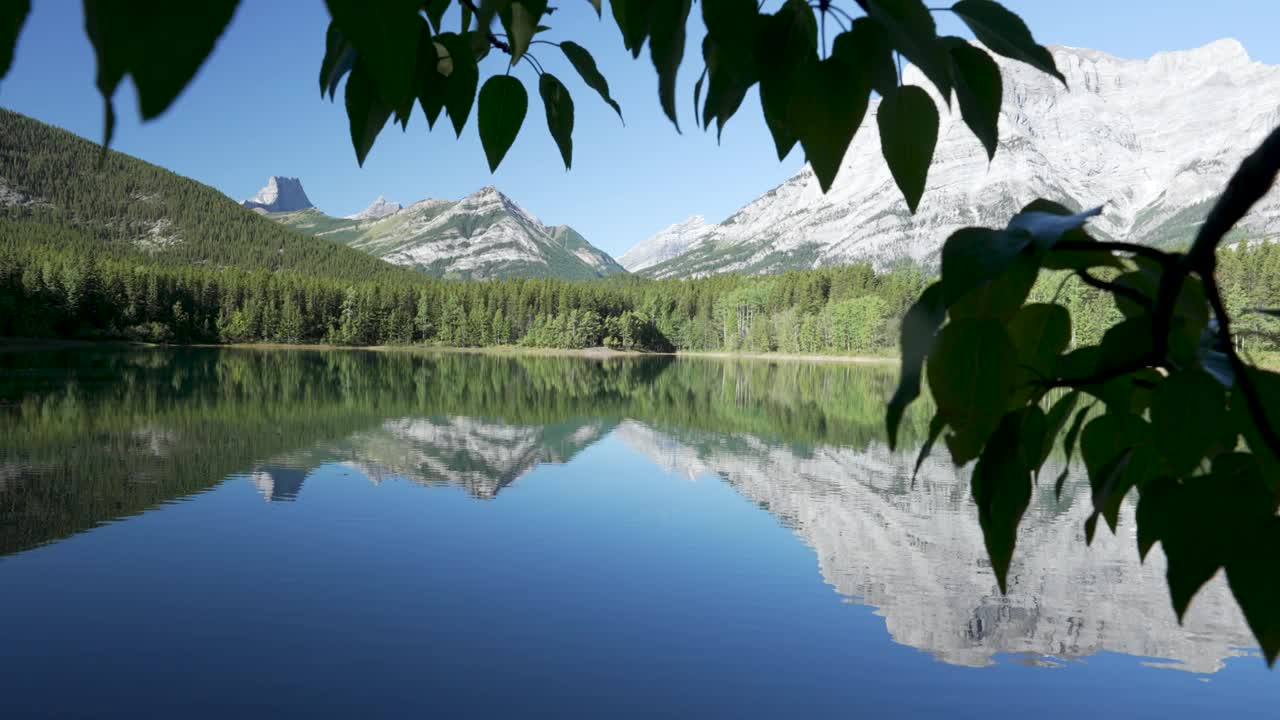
(88, 438)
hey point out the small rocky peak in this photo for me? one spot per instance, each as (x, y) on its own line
(281, 194)
(378, 209)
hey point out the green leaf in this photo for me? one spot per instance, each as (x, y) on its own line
(979, 91)
(1267, 385)
(1112, 446)
(559, 106)
(12, 15)
(502, 107)
(160, 44)
(1005, 33)
(520, 19)
(826, 107)
(586, 67)
(971, 375)
(596, 4)
(911, 30)
(919, 326)
(1184, 405)
(461, 80)
(1002, 491)
(666, 49)
(866, 45)
(973, 257)
(366, 112)
(385, 36)
(786, 47)
(633, 18)
(908, 124)
(339, 56)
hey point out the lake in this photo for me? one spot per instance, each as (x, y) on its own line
(217, 532)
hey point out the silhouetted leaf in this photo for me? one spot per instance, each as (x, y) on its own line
(559, 106)
(586, 67)
(666, 48)
(919, 326)
(979, 90)
(1055, 420)
(502, 106)
(435, 10)
(786, 47)
(1005, 33)
(520, 19)
(733, 25)
(596, 4)
(1251, 572)
(1046, 228)
(12, 15)
(866, 45)
(461, 80)
(633, 18)
(1069, 448)
(1002, 490)
(936, 426)
(697, 95)
(911, 29)
(971, 375)
(1183, 406)
(973, 257)
(908, 124)
(1267, 384)
(385, 36)
(366, 111)
(727, 87)
(1040, 332)
(339, 56)
(1117, 452)
(160, 44)
(429, 82)
(827, 105)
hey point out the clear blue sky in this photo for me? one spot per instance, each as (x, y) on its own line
(254, 110)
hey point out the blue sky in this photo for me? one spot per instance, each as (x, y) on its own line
(254, 110)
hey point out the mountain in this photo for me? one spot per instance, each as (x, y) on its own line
(669, 242)
(1152, 140)
(58, 191)
(483, 235)
(377, 210)
(282, 194)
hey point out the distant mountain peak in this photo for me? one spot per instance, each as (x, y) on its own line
(1153, 139)
(667, 243)
(281, 194)
(378, 209)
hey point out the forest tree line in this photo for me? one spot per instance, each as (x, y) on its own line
(47, 291)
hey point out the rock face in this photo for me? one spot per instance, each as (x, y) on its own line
(483, 235)
(282, 194)
(377, 210)
(1152, 140)
(667, 243)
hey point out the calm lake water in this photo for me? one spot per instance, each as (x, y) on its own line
(218, 533)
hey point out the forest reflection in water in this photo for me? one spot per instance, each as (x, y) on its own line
(91, 437)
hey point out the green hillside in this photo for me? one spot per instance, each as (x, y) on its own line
(53, 190)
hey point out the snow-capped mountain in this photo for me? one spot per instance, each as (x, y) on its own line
(1152, 140)
(377, 210)
(483, 235)
(281, 194)
(667, 243)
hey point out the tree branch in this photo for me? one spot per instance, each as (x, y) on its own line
(1160, 256)
(1253, 402)
(493, 39)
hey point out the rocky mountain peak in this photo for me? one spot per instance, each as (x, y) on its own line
(378, 209)
(281, 194)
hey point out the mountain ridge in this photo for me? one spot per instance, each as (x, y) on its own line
(1152, 140)
(480, 236)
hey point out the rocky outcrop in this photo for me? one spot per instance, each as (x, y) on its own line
(1151, 140)
(377, 210)
(281, 194)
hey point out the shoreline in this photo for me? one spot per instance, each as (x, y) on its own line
(38, 344)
